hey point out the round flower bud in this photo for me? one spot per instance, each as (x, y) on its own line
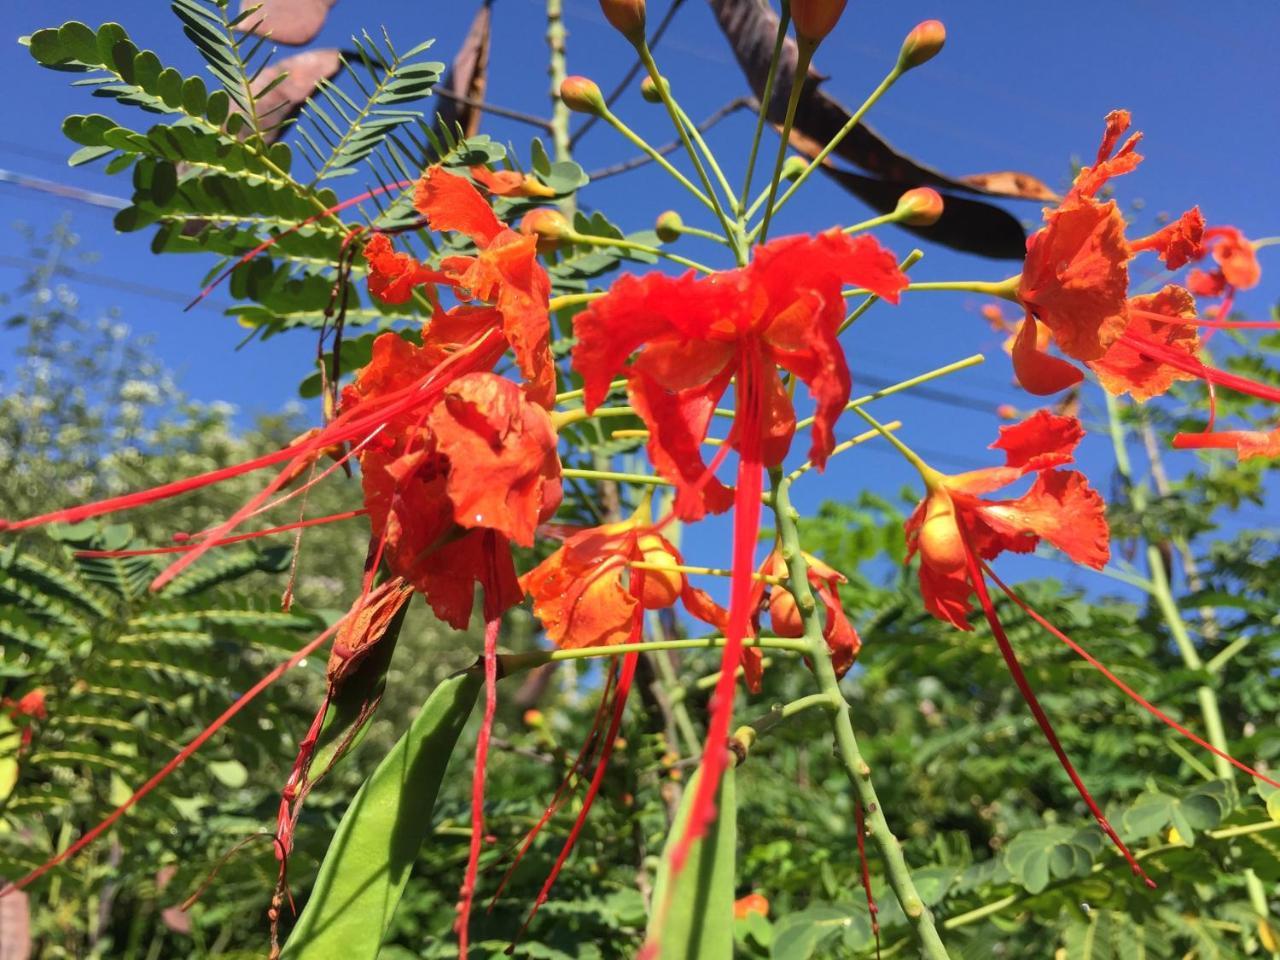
(1007, 411)
(582, 96)
(923, 43)
(793, 166)
(649, 89)
(661, 588)
(941, 545)
(545, 224)
(669, 226)
(814, 19)
(920, 207)
(626, 16)
(784, 615)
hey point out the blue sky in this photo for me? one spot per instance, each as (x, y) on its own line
(1020, 86)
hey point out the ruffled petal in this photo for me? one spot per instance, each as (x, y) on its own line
(451, 202)
(1040, 441)
(1126, 369)
(1076, 277)
(1092, 179)
(1061, 508)
(504, 473)
(393, 275)
(1177, 243)
(946, 596)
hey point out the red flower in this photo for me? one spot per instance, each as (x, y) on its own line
(510, 183)
(743, 907)
(785, 620)
(1167, 318)
(447, 487)
(1075, 280)
(1238, 267)
(954, 521)
(696, 334)
(505, 272)
(580, 594)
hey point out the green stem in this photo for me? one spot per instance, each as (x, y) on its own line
(856, 767)
(1004, 289)
(927, 473)
(769, 81)
(839, 448)
(618, 476)
(653, 154)
(571, 300)
(696, 135)
(515, 662)
(686, 230)
(835, 141)
(909, 261)
(667, 674)
(801, 74)
(901, 385)
(891, 217)
(673, 111)
(623, 244)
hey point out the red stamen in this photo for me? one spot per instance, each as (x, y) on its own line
(1042, 719)
(1123, 687)
(573, 776)
(467, 895)
(872, 910)
(627, 674)
(1218, 323)
(1211, 375)
(226, 541)
(223, 718)
(746, 528)
(1222, 440)
(272, 241)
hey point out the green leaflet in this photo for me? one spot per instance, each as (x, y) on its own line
(375, 846)
(698, 919)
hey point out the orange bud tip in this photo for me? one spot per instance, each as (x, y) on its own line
(1007, 411)
(582, 96)
(941, 545)
(669, 226)
(920, 207)
(626, 16)
(545, 224)
(923, 43)
(814, 19)
(649, 89)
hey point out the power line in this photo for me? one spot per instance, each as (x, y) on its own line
(64, 190)
(113, 283)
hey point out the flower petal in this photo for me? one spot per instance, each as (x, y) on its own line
(1061, 508)
(451, 202)
(1040, 373)
(1124, 368)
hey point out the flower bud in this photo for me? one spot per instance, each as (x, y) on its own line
(941, 545)
(669, 226)
(545, 224)
(661, 588)
(793, 166)
(923, 43)
(814, 19)
(582, 96)
(784, 614)
(649, 89)
(920, 207)
(626, 16)
(533, 718)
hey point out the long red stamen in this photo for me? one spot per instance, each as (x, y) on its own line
(1222, 440)
(865, 868)
(573, 776)
(979, 585)
(226, 541)
(1188, 364)
(1122, 686)
(272, 241)
(746, 528)
(467, 895)
(181, 757)
(1218, 323)
(625, 677)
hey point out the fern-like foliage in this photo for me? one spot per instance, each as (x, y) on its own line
(216, 174)
(128, 677)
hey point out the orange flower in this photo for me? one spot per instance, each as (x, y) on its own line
(743, 907)
(505, 272)
(1075, 281)
(954, 522)
(581, 595)
(1248, 444)
(1238, 267)
(1168, 318)
(784, 616)
(447, 487)
(510, 183)
(696, 334)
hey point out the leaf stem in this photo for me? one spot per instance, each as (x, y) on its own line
(769, 81)
(856, 767)
(624, 244)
